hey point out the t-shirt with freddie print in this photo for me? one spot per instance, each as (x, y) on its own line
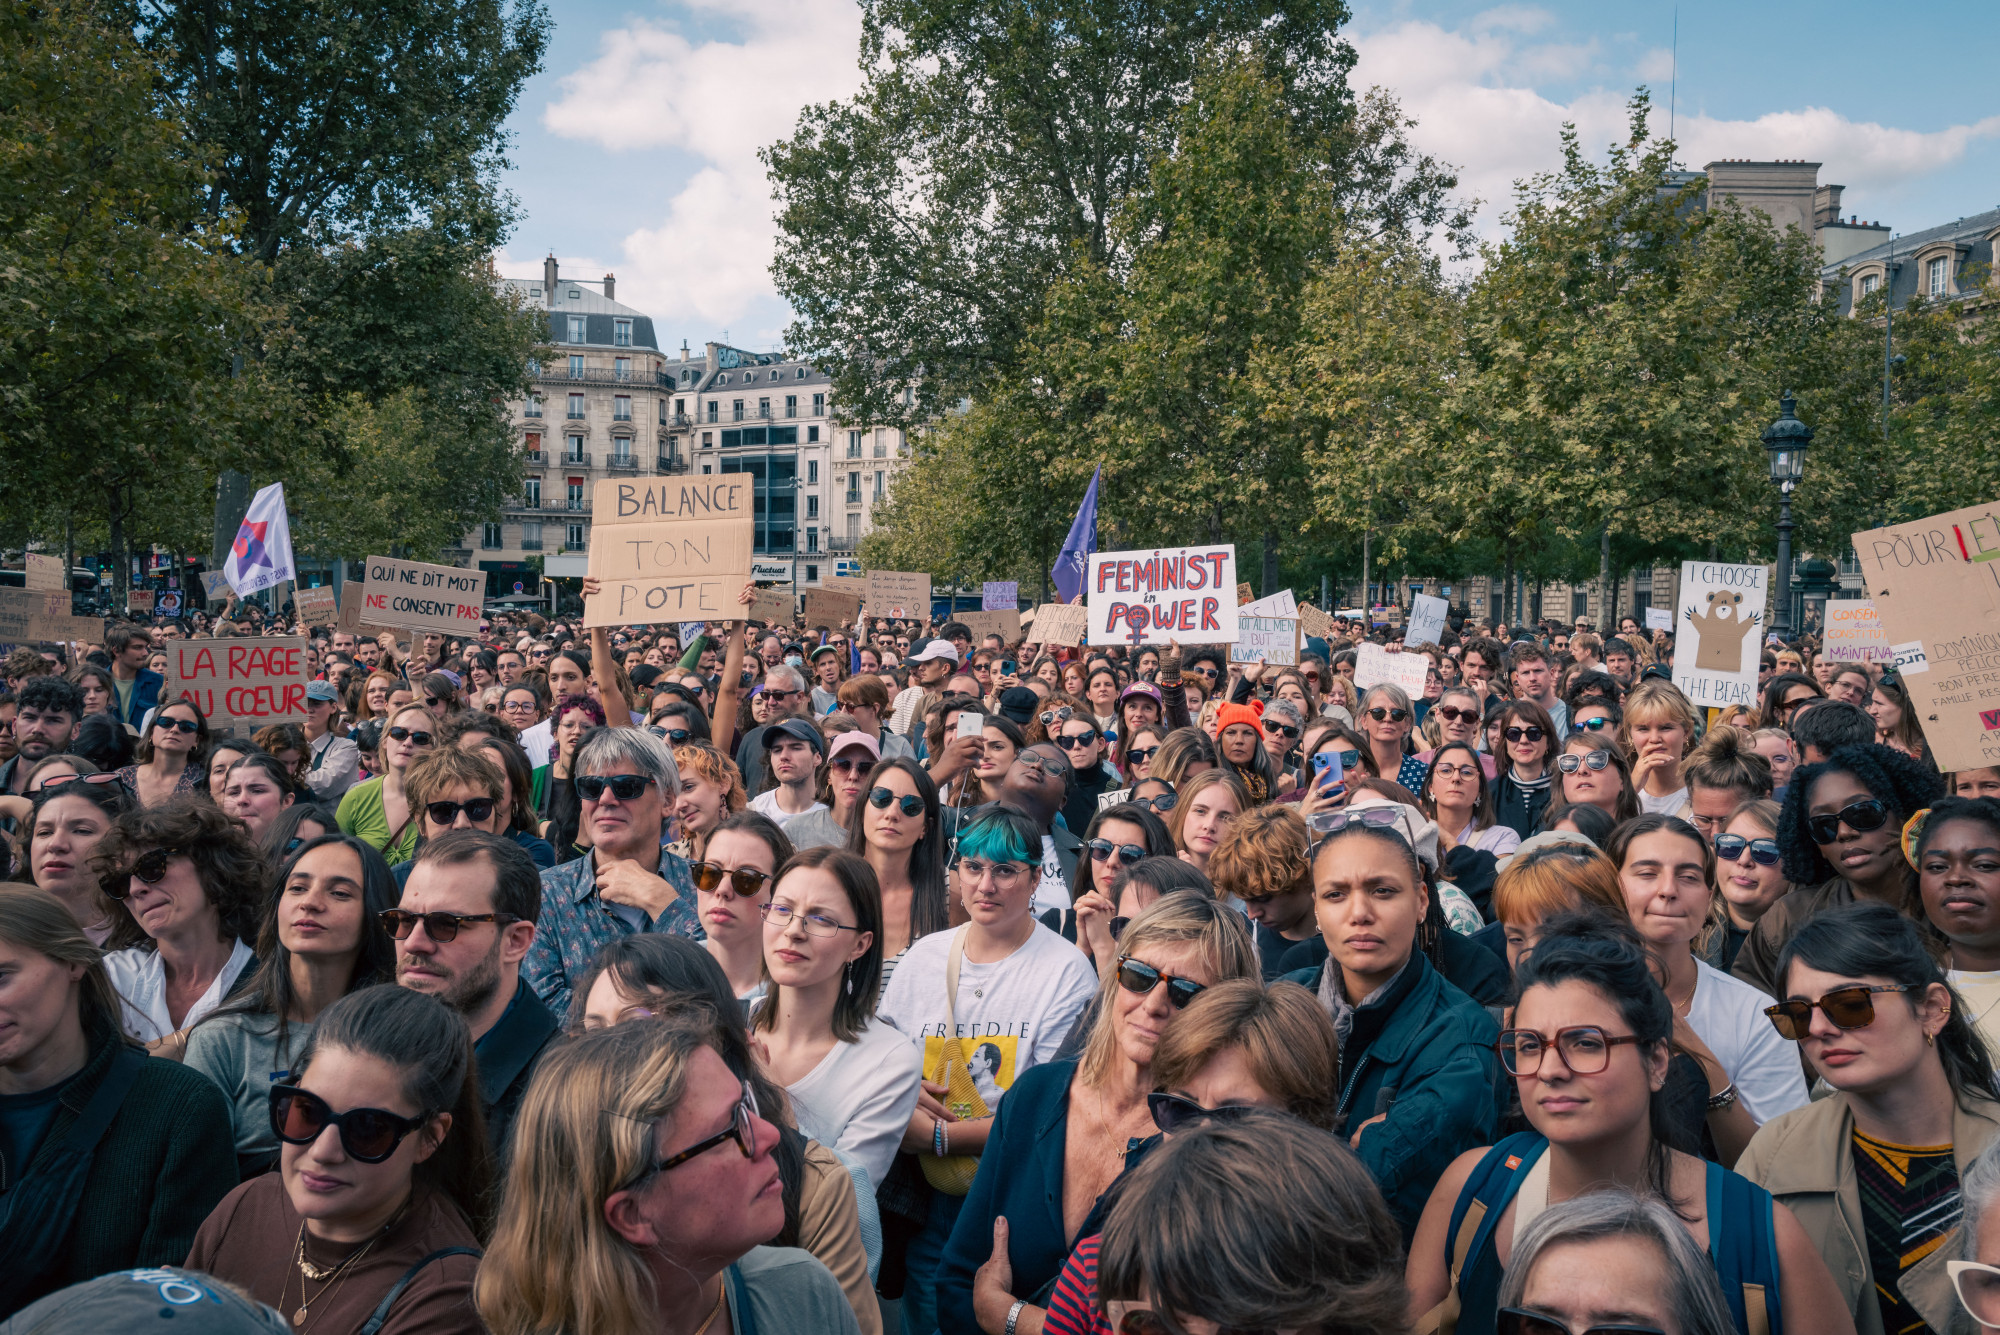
(1011, 1013)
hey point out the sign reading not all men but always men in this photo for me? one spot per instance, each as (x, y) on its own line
(1187, 594)
(669, 549)
(898, 593)
(1854, 632)
(1717, 642)
(422, 597)
(241, 685)
(1267, 631)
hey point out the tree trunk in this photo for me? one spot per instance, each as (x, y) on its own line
(1508, 596)
(1270, 584)
(1604, 579)
(121, 568)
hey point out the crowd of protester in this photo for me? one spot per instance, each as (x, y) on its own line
(885, 977)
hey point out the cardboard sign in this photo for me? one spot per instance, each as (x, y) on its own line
(1061, 623)
(139, 600)
(1854, 632)
(214, 584)
(1004, 622)
(826, 607)
(1375, 665)
(422, 597)
(850, 585)
(350, 616)
(773, 607)
(1426, 620)
(1279, 604)
(316, 607)
(666, 549)
(1316, 623)
(1720, 632)
(1187, 594)
(240, 684)
(1273, 640)
(898, 593)
(1660, 618)
(43, 572)
(1935, 585)
(30, 615)
(1000, 596)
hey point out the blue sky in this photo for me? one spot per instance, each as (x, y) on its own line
(636, 148)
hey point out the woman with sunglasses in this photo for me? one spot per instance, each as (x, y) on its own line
(1458, 715)
(168, 761)
(1872, 1173)
(1593, 771)
(1588, 1051)
(1839, 832)
(867, 700)
(1093, 775)
(843, 786)
(1065, 1129)
(322, 938)
(450, 789)
(1417, 1068)
(900, 834)
(383, 1166)
(1239, 745)
(66, 826)
(191, 885)
(852, 1080)
(378, 810)
(1749, 869)
(1137, 749)
(1527, 743)
(1203, 808)
(1387, 719)
(732, 883)
(256, 791)
(1783, 694)
(516, 786)
(1957, 854)
(1116, 838)
(1611, 1260)
(993, 999)
(163, 1159)
(1895, 718)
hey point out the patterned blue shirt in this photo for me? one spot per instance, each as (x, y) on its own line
(576, 924)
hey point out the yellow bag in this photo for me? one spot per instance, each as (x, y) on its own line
(953, 1173)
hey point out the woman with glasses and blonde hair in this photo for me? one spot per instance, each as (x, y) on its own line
(1082, 1113)
(1386, 720)
(378, 810)
(641, 1193)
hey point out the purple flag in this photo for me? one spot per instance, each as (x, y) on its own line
(1074, 558)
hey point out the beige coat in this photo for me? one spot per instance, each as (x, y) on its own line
(1805, 1158)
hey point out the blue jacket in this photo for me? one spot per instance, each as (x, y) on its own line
(1423, 1053)
(1020, 1176)
(145, 695)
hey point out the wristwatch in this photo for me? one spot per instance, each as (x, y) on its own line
(1014, 1314)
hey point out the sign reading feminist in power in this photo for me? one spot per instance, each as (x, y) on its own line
(670, 549)
(1187, 594)
(422, 597)
(240, 684)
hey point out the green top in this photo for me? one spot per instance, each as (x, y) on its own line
(692, 658)
(362, 815)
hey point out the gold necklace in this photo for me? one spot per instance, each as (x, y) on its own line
(334, 1277)
(721, 1291)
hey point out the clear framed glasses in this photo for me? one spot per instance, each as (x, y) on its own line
(1004, 875)
(780, 915)
(1585, 1048)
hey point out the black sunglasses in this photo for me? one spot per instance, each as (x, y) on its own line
(188, 726)
(1076, 741)
(1139, 755)
(909, 803)
(444, 813)
(440, 927)
(417, 735)
(747, 882)
(1158, 803)
(1135, 976)
(1452, 714)
(1173, 1112)
(1284, 730)
(1102, 849)
(1527, 734)
(1520, 1321)
(368, 1135)
(1393, 715)
(151, 868)
(624, 787)
(1763, 852)
(1870, 813)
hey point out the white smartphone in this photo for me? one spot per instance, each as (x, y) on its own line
(971, 725)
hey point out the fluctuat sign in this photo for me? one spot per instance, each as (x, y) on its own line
(422, 597)
(670, 550)
(240, 684)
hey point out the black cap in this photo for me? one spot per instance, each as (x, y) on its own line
(163, 1299)
(798, 730)
(1019, 704)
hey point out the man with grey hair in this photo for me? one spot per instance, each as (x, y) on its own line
(629, 882)
(785, 689)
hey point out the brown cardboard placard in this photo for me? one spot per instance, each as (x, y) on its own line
(139, 600)
(1314, 622)
(43, 573)
(1061, 623)
(670, 549)
(316, 606)
(1935, 584)
(1004, 622)
(241, 684)
(423, 597)
(904, 594)
(773, 607)
(827, 607)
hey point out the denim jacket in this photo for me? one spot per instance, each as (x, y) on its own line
(576, 924)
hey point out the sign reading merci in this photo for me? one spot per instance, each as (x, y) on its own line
(422, 597)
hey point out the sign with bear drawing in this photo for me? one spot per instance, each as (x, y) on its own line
(1718, 632)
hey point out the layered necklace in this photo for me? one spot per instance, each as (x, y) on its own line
(329, 1278)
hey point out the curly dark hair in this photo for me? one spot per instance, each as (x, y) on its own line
(1905, 785)
(234, 872)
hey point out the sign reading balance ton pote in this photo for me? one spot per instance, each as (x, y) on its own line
(422, 597)
(1719, 632)
(1187, 594)
(240, 684)
(1936, 588)
(670, 549)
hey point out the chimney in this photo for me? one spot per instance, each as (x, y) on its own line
(549, 274)
(610, 287)
(1826, 206)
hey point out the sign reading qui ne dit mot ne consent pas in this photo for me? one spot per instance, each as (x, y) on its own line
(1170, 593)
(422, 597)
(670, 549)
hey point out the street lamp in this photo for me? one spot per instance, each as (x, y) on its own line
(1787, 440)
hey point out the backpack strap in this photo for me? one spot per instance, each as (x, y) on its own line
(1745, 1250)
(381, 1313)
(1481, 1202)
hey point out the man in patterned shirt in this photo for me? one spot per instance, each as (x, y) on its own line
(628, 882)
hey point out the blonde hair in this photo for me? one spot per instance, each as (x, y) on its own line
(1556, 878)
(584, 1132)
(1221, 936)
(1655, 698)
(1208, 778)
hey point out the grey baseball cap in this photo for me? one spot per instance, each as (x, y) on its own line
(164, 1299)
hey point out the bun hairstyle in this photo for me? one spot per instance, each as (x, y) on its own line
(1727, 758)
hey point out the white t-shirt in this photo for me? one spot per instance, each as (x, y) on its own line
(766, 803)
(1012, 1013)
(1981, 994)
(1052, 892)
(1728, 1015)
(539, 742)
(860, 1097)
(140, 978)
(1667, 804)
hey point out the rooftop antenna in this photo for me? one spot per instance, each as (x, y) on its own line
(1674, 76)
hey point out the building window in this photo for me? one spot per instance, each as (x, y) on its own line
(791, 405)
(763, 408)
(621, 333)
(854, 444)
(490, 538)
(531, 535)
(819, 405)
(621, 449)
(708, 438)
(533, 407)
(1870, 282)
(812, 435)
(531, 491)
(812, 572)
(576, 449)
(878, 486)
(663, 412)
(854, 488)
(812, 472)
(575, 407)
(621, 407)
(575, 541)
(1938, 276)
(534, 442)
(576, 329)
(802, 373)
(708, 468)
(576, 493)
(712, 407)
(680, 406)
(738, 411)
(621, 368)
(812, 507)
(881, 443)
(576, 368)
(812, 545)
(853, 528)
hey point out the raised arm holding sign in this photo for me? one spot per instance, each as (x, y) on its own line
(670, 549)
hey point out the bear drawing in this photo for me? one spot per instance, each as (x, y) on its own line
(1722, 632)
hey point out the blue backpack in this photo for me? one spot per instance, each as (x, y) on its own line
(1744, 1248)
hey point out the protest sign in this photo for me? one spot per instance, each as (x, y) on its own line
(1060, 623)
(1273, 640)
(240, 684)
(773, 607)
(169, 602)
(1854, 632)
(898, 593)
(1719, 632)
(139, 600)
(1375, 665)
(350, 615)
(43, 572)
(214, 584)
(1426, 620)
(669, 548)
(827, 607)
(316, 606)
(1004, 622)
(1935, 585)
(27, 615)
(422, 597)
(1279, 604)
(1002, 595)
(1169, 593)
(1660, 618)
(851, 585)
(1314, 622)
